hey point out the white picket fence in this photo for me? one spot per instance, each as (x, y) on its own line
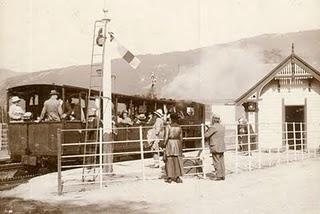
(244, 153)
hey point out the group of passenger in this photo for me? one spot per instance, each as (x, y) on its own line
(136, 120)
(167, 134)
(54, 109)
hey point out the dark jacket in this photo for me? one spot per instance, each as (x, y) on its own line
(215, 136)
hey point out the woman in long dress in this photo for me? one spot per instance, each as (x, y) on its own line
(173, 151)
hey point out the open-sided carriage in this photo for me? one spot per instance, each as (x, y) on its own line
(35, 143)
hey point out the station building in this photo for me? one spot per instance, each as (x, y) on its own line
(283, 105)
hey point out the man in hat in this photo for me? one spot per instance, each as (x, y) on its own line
(52, 108)
(15, 111)
(215, 136)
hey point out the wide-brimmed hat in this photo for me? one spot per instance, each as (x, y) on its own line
(53, 92)
(92, 112)
(159, 113)
(15, 99)
(124, 111)
(141, 117)
(215, 118)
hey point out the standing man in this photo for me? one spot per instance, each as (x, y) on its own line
(52, 108)
(215, 135)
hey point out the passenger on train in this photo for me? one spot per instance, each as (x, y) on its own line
(15, 111)
(93, 122)
(73, 110)
(52, 108)
(93, 134)
(140, 119)
(125, 119)
(151, 119)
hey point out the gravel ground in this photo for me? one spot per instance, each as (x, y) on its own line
(286, 188)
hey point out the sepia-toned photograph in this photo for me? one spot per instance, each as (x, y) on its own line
(160, 107)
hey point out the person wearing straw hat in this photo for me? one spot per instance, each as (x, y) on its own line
(155, 135)
(52, 108)
(215, 135)
(15, 111)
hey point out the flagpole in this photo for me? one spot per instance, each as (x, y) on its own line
(107, 102)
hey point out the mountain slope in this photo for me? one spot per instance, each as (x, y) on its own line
(222, 71)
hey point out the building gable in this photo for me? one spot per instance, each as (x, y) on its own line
(292, 70)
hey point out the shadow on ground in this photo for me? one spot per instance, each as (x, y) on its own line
(17, 205)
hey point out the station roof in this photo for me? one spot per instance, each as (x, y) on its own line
(268, 77)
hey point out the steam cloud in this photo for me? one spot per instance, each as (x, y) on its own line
(224, 73)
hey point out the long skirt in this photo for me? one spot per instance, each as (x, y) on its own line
(174, 166)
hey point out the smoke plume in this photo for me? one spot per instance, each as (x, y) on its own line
(222, 73)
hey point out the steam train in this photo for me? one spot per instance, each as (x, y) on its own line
(35, 143)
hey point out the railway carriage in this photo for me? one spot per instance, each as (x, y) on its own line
(35, 143)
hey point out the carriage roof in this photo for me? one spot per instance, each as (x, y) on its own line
(26, 88)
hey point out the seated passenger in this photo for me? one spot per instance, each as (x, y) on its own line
(125, 119)
(140, 119)
(67, 108)
(15, 111)
(52, 108)
(73, 111)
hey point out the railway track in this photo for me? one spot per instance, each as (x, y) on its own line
(9, 183)
(10, 166)
(13, 174)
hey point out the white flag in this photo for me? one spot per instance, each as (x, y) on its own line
(133, 61)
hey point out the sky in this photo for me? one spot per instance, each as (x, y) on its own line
(43, 34)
